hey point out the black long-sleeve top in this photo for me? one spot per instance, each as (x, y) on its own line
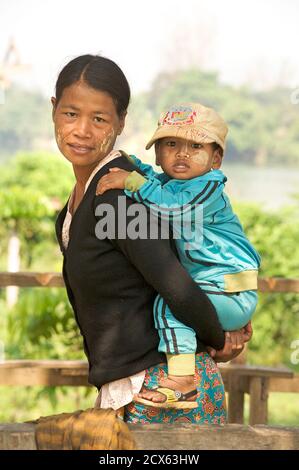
(112, 282)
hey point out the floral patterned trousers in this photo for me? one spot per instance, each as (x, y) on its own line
(211, 397)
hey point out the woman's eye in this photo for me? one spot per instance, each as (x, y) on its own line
(70, 114)
(99, 119)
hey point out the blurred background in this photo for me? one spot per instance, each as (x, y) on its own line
(240, 58)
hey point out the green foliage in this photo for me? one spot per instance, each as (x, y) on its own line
(43, 173)
(42, 326)
(19, 404)
(33, 186)
(23, 203)
(276, 321)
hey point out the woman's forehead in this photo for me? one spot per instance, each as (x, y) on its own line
(80, 96)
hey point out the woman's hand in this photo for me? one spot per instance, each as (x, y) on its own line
(113, 180)
(248, 332)
(234, 344)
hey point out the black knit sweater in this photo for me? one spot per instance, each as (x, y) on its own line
(112, 283)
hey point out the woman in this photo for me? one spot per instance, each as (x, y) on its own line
(112, 277)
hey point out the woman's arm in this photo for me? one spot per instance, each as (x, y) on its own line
(155, 260)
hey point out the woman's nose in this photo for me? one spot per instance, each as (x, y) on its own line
(82, 129)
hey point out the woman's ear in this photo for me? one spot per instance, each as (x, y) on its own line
(53, 101)
(122, 121)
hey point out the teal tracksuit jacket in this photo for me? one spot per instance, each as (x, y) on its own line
(211, 244)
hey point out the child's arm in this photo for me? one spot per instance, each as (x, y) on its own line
(144, 167)
(155, 195)
(117, 179)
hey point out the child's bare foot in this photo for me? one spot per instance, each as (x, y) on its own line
(183, 384)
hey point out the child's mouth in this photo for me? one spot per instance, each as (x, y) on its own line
(181, 166)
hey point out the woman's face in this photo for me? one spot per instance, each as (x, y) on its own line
(86, 124)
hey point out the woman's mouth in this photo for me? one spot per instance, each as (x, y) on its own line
(80, 149)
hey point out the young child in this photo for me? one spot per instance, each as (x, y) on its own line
(189, 144)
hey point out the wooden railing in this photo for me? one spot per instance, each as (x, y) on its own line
(32, 279)
(177, 436)
(238, 379)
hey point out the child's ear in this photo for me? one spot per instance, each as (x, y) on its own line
(157, 152)
(217, 159)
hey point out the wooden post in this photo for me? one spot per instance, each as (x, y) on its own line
(235, 400)
(259, 391)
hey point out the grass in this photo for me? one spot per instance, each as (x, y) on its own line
(283, 409)
(18, 404)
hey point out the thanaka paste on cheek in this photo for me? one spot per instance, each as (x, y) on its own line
(103, 145)
(201, 158)
(60, 138)
(58, 135)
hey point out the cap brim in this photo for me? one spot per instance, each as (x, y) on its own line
(182, 133)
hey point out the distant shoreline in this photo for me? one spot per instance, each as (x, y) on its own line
(273, 186)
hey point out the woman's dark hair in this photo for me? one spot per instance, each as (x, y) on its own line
(99, 73)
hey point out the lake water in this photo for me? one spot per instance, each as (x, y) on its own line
(273, 187)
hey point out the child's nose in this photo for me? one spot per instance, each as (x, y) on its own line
(183, 152)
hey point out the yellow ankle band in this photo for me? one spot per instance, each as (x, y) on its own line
(181, 364)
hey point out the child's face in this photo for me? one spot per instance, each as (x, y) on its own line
(86, 124)
(183, 159)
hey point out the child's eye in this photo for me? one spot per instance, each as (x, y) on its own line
(196, 146)
(170, 143)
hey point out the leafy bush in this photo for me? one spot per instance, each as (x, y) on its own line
(42, 326)
(276, 321)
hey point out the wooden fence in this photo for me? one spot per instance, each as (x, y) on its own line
(238, 379)
(21, 436)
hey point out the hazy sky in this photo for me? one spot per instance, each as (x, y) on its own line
(254, 41)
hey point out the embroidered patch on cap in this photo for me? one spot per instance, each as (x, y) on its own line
(179, 116)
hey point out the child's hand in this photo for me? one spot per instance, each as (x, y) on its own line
(113, 180)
